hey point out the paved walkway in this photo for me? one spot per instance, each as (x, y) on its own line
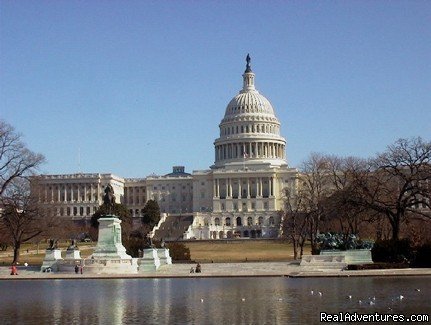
(262, 269)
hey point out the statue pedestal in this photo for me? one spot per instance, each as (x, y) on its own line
(109, 256)
(150, 260)
(163, 254)
(109, 244)
(73, 254)
(352, 256)
(50, 262)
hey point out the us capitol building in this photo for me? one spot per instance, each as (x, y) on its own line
(241, 195)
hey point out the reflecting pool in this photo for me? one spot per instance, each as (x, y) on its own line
(208, 300)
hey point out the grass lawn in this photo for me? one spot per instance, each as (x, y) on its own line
(242, 250)
(201, 251)
(36, 253)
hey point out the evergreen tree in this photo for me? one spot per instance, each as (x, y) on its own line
(151, 213)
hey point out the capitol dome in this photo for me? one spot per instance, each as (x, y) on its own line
(249, 131)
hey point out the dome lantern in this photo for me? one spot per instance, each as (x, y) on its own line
(248, 77)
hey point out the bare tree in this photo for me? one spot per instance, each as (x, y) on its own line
(16, 161)
(314, 186)
(295, 221)
(338, 206)
(21, 218)
(397, 183)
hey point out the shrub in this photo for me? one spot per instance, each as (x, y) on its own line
(423, 256)
(134, 244)
(179, 251)
(392, 251)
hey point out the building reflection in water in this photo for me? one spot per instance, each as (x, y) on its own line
(203, 300)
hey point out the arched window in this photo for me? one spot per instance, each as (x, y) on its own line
(260, 221)
(271, 221)
(249, 221)
(227, 221)
(238, 221)
(217, 221)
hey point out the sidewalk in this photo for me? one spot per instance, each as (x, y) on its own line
(263, 269)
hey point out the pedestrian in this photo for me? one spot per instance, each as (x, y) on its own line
(76, 269)
(198, 268)
(81, 269)
(14, 270)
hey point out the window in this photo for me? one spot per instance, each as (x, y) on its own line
(260, 221)
(238, 221)
(249, 221)
(217, 221)
(227, 221)
(271, 221)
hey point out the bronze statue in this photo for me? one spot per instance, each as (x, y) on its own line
(248, 59)
(53, 244)
(72, 246)
(109, 198)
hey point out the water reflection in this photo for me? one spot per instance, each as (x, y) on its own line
(199, 301)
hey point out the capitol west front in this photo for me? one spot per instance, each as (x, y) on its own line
(241, 195)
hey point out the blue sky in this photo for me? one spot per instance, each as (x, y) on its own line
(136, 87)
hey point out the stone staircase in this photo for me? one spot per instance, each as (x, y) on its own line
(173, 228)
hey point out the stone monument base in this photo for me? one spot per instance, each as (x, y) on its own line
(110, 266)
(164, 256)
(351, 256)
(109, 256)
(51, 260)
(150, 260)
(73, 254)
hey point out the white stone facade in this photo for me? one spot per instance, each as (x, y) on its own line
(75, 196)
(239, 196)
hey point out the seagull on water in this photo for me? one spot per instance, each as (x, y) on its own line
(349, 296)
(401, 297)
(312, 292)
(418, 290)
(202, 300)
(320, 294)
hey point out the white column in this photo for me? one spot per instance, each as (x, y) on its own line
(239, 188)
(248, 187)
(257, 186)
(230, 187)
(215, 188)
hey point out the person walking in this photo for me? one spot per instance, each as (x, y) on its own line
(14, 270)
